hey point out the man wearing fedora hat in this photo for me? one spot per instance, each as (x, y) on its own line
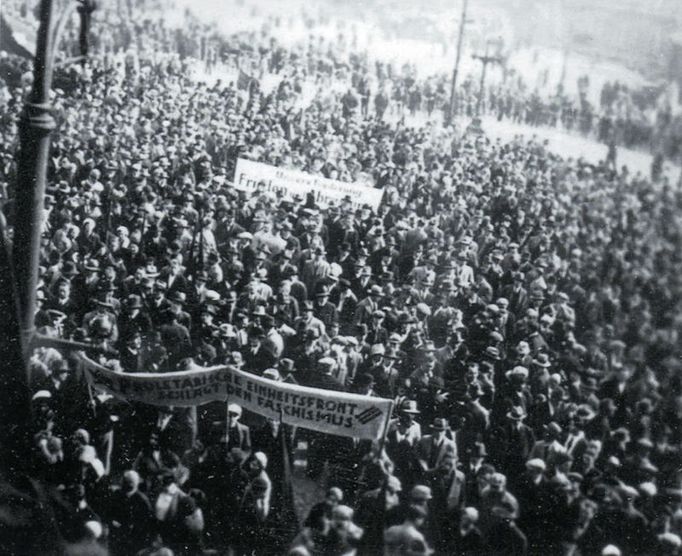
(361, 279)
(551, 445)
(309, 321)
(324, 310)
(285, 306)
(447, 484)
(134, 318)
(174, 335)
(403, 435)
(176, 300)
(103, 312)
(368, 305)
(135, 357)
(281, 264)
(306, 352)
(87, 282)
(432, 448)
(517, 391)
(224, 341)
(273, 342)
(384, 371)
(226, 228)
(376, 330)
(316, 269)
(511, 442)
(256, 357)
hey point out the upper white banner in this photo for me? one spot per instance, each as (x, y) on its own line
(249, 174)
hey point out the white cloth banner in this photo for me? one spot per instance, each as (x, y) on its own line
(249, 174)
(339, 413)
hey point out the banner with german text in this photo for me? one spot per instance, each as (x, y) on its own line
(339, 413)
(249, 174)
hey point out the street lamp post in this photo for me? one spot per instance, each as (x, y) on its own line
(35, 127)
(19, 269)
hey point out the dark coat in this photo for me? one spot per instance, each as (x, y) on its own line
(506, 539)
(510, 447)
(135, 521)
(259, 361)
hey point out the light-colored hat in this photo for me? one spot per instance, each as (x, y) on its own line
(420, 492)
(517, 372)
(377, 349)
(272, 374)
(648, 488)
(536, 463)
(522, 348)
(471, 513)
(41, 395)
(94, 528)
(234, 408)
(326, 362)
(342, 512)
(212, 295)
(670, 539)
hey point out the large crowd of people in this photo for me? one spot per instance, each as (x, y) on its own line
(522, 311)
(635, 119)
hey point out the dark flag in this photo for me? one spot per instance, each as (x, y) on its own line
(285, 523)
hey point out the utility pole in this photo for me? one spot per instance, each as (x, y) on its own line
(453, 85)
(485, 60)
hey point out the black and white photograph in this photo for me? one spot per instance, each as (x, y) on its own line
(340, 277)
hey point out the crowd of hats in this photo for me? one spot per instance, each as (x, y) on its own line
(518, 307)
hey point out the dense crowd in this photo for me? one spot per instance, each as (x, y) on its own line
(522, 311)
(636, 119)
